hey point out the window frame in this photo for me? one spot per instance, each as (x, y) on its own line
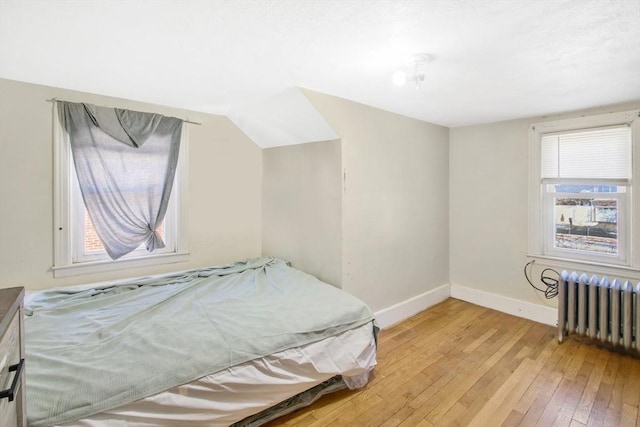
(68, 203)
(541, 227)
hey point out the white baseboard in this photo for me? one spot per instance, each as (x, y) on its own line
(535, 312)
(398, 312)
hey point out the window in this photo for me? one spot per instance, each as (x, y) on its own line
(86, 245)
(76, 251)
(583, 173)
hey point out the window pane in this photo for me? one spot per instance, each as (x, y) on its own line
(92, 243)
(586, 224)
(577, 188)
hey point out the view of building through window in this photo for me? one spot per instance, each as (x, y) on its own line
(587, 223)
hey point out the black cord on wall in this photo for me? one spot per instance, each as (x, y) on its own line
(550, 283)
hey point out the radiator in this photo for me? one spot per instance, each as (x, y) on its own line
(608, 311)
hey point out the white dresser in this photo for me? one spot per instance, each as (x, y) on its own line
(12, 376)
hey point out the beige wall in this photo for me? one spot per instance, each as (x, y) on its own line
(224, 188)
(302, 207)
(489, 205)
(395, 202)
(488, 208)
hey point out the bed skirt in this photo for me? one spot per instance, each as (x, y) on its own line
(254, 392)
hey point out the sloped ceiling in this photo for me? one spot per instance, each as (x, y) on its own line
(492, 60)
(285, 118)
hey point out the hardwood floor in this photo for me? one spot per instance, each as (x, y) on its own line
(457, 364)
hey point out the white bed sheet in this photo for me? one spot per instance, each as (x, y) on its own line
(233, 394)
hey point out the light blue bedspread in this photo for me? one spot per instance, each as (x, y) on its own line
(92, 350)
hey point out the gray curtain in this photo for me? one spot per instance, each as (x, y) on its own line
(125, 162)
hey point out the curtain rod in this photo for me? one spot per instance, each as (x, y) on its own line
(62, 100)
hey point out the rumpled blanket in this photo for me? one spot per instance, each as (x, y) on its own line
(88, 350)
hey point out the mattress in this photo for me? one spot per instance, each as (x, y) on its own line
(202, 347)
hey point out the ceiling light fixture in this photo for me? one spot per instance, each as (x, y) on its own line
(412, 72)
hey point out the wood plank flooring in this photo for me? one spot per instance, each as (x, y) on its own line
(458, 364)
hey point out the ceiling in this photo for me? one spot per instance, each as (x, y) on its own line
(491, 60)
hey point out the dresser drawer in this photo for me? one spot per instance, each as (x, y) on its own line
(10, 355)
(10, 347)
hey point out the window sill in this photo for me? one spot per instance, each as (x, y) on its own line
(589, 267)
(105, 266)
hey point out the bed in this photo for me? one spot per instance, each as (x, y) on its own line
(238, 344)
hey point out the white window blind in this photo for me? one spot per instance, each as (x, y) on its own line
(602, 154)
